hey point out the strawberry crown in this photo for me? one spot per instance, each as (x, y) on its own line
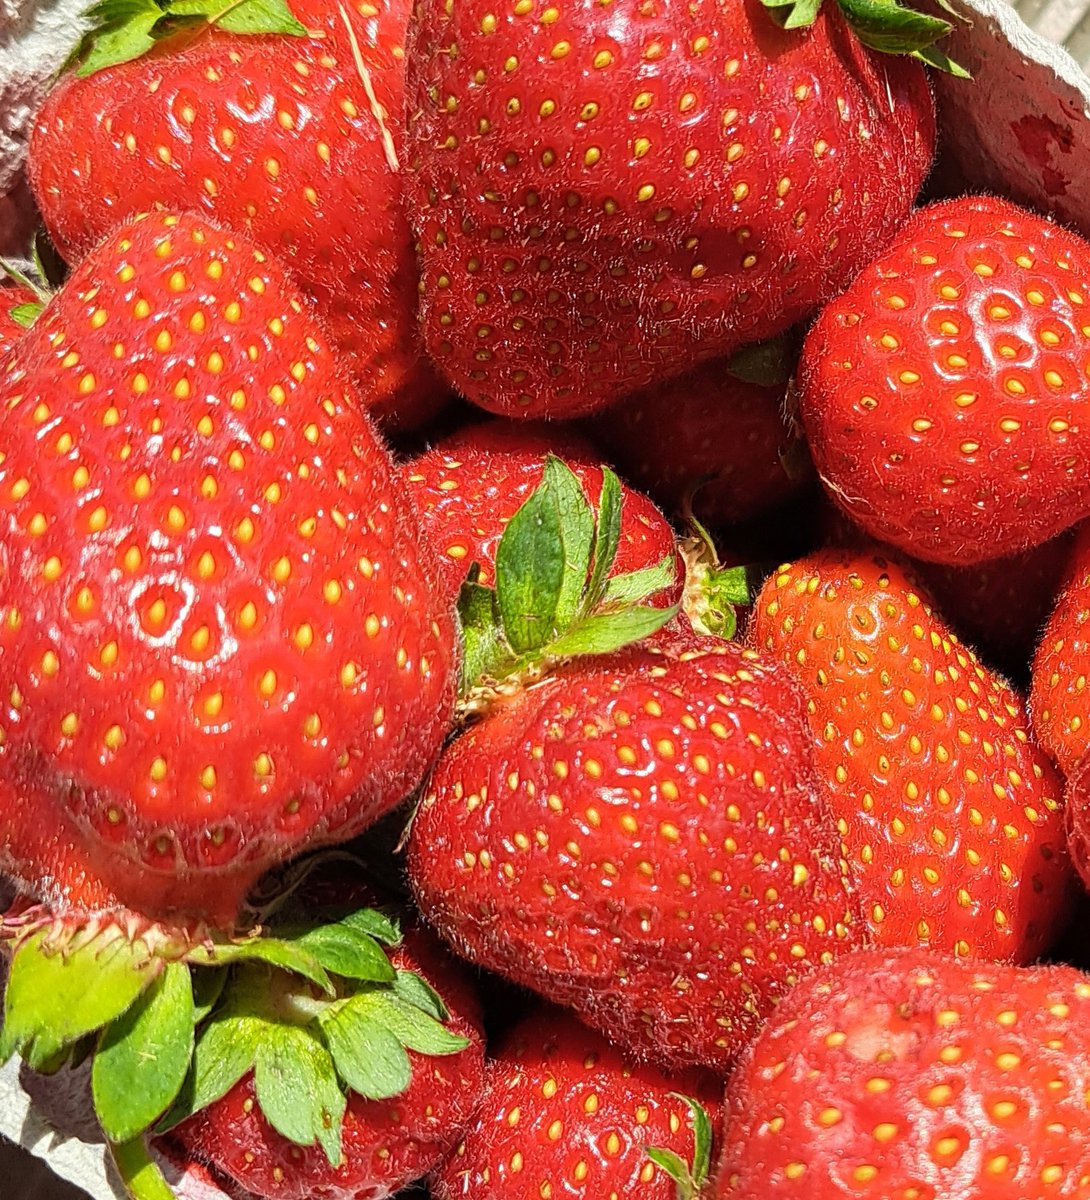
(690, 1177)
(886, 26)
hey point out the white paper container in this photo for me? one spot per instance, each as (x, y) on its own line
(1021, 128)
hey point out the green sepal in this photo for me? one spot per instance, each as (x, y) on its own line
(26, 314)
(208, 985)
(622, 590)
(484, 650)
(414, 1028)
(607, 538)
(123, 30)
(795, 14)
(55, 996)
(348, 952)
(416, 990)
(932, 56)
(278, 952)
(610, 631)
(690, 1178)
(143, 1057)
(369, 1058)
(296, 1087)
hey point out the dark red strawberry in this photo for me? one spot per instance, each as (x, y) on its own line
(640, 838)
(606, 197)
(217, 640)
(467, 488)
(564, 1114)
(1058, 702)
(905, 1076)
(291, 139)
(386, 1142)
(706, 443)
(942, 392)
(949, 813)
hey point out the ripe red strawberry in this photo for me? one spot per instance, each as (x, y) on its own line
(604, 197)
(949, 814)
(1058, 701)
(639, 838)
(217, 640)
(292, 140)
(900, 1076)
(386, 1143)
(468, 487)
(942, 392)
(564, 1114)
(725, 453)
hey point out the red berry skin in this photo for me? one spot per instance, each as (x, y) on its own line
(564, 1114)
(273, 137)
(606, 197)
(218, 643)
(705, 437)
(1057, 700)
(386, 1143)
(915, 1076)
(468, 487)
(942, 393)
(950, 814)
(639, 839)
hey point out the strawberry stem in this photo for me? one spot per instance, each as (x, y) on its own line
(141, 1176)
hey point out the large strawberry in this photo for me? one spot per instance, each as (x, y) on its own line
(468, 487)
(911, 1075)
(944, 393)
(949, 814)
(604, 196)
(218, 643)
(292, 138)
(564, 1114)
(640, 838)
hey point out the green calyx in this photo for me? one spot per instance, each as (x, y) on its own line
(554, 597)
(887, 26)
(690, 1178)
(121, 30)
(314, 1011)
(33, 280)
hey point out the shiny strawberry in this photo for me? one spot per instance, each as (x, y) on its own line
(639, 838)
(290, 138)
(468, 487)
(949, 813)
(604, 197)
(1058, 701)
(900, 1075)
(725, 457)
(217, 640)
(942, 392)
(386, 1141)
(565, 1114)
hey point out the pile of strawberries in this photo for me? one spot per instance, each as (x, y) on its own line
(544, 637)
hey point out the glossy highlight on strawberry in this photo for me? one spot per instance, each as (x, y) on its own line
(217, 639)
(606, 196)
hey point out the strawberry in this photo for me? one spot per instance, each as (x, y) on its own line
(905, 1075)
(949, 814)
(388, 1139)
(291, 138)
(638, 838)
(606, 197)
(726, 459)
(217, 640)
(564, 1114)
(1061, 715)
(941, 392)
(468, 487)
(19, 307)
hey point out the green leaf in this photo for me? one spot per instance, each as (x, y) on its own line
(243, 16)
(349, 952)
(890, 28)
(412, 1027)
(607, 632)
(639, 585)
(530, 571)
(576, 533)
(224, 1052)
(25, 314)
(276, 951)
(123, 44)
(415, 990)
(934, 57)
(54, 999)
(796, 14)
(368, 1057)
(208, 985)
(371, 921)
(483, 647)
(297, 1089)
(607, 537)
(143, 1057)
